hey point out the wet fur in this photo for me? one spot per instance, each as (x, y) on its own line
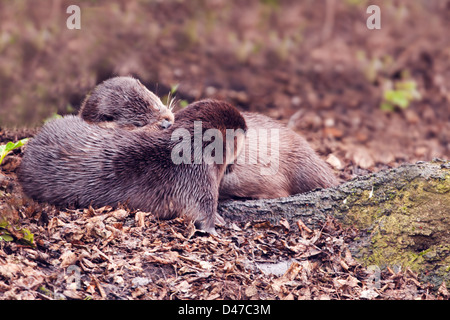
(124, 102)
(72, 162)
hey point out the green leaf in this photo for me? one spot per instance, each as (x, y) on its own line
(174, 88)
(4, 234)
(386, 106)
(7, 148)
(184, 103)
(397, 97)
(28, 237)
(6, 237)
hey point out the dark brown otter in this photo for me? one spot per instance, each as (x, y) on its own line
(125, 102)
(276, 162)
(72, 162)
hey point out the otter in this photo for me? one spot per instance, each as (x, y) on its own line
(125, 102)
(288, 165)
(73, 163)
(298, 168)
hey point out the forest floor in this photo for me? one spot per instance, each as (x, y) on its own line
(327, 86)
(123, 254)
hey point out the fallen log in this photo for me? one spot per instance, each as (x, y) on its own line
(403, 216)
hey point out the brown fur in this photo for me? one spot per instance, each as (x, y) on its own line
(71, 162)
(299, 168)
(125, 102)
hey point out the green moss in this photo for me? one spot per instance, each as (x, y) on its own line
(405, 224)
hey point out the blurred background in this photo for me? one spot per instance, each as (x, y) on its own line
(365, 99)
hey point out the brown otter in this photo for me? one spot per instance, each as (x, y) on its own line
(72, 162)
(276, 162)
(125, 102)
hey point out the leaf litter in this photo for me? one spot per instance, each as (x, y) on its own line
(124, 254)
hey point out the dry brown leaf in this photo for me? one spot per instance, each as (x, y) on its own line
(205, 265)
(362, 158)
(251, 291)
(443, 290)
(139, 291)
(183, 286)
(228, 267)
(169, 257)
(285, 224)
(99, 287)
(368, 294)
(73, 294)
(139, 218)
(68, 258)
(334, 162)
(293, 271)
(120, 214)
(302, 227)
(349, 260)
(263, 225)
(344, 265)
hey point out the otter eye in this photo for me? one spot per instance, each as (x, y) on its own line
(107, 118)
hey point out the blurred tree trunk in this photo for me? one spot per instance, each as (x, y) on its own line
(403, 216)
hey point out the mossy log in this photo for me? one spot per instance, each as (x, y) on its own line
(403, 215)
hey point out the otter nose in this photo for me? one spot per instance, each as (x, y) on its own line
(166, 124)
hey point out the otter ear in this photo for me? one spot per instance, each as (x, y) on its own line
(230, 168)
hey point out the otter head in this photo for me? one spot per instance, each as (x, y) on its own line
(125, 102)
(221, 124)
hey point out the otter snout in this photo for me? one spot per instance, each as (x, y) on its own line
(165, 124)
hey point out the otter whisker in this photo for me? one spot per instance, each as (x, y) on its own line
(171, 101)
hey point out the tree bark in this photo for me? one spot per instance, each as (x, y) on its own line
(403, 215)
